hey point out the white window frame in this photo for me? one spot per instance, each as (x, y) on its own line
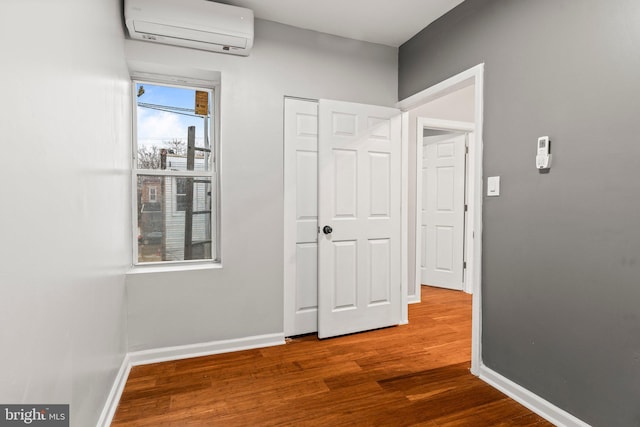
(213, 171)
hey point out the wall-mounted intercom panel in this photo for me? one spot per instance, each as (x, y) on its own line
(543, 158)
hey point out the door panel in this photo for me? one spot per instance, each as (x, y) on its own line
(359, 197)
(306, 290)
(380, 254)
(443, 178)
(301, 216)
(345, 189)
(379, 188)
(345, 277)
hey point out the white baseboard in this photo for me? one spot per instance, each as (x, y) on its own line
(535, 403)
(166, 354)
(115, 393)
(413, 299)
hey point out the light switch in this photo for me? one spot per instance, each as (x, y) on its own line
(493, 186)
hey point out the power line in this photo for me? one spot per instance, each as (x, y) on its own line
(167, 109)
(164, 138)
(147, 104)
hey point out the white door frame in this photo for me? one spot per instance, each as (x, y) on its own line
(474, 75)
(453, 126)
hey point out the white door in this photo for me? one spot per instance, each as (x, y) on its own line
(443, 210)
(359, 194)
(301, 216)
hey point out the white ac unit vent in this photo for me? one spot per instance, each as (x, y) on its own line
(197, 24)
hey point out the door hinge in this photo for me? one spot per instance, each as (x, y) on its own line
(464, 265)
(466, 149)
(466, 208)
(318, 229)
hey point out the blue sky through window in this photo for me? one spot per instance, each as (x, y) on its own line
(165, 113)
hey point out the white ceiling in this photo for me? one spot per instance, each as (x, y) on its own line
(388, 22)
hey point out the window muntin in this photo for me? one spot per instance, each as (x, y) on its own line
(174, 174)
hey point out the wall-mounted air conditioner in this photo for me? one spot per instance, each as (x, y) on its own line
(197, 24)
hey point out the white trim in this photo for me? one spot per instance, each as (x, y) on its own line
(404, 226)
(474, 75)
(115, 394)
(448, 125)
(418, 232)
(476, 312)
(176, 81)
(173, 266)
(535, 403)
(173, 173)
(135, 231)
(470, 200)
(414, 299)
(166, 354)
(452, 84)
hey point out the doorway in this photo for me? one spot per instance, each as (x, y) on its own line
(441, 200)
(473, 77)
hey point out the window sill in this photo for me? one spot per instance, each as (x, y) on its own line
(173, 268)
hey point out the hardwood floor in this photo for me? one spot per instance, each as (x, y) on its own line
(410, 375)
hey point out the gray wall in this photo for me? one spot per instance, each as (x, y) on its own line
(561, 252)
(245, 297)
(64, 192)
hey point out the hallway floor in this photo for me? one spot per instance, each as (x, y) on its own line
(409, 375)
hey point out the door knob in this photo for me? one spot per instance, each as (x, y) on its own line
(327, 229)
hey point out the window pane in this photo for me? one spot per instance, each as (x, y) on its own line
(181, 206)
(164, 115)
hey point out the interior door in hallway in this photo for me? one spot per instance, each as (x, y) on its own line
(443, 211)
(359, 204)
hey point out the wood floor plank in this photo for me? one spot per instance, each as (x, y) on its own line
(409, 375)
(490, 414)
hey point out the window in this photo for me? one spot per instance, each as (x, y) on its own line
(181, 194)
(152, 194)
(174, 174)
